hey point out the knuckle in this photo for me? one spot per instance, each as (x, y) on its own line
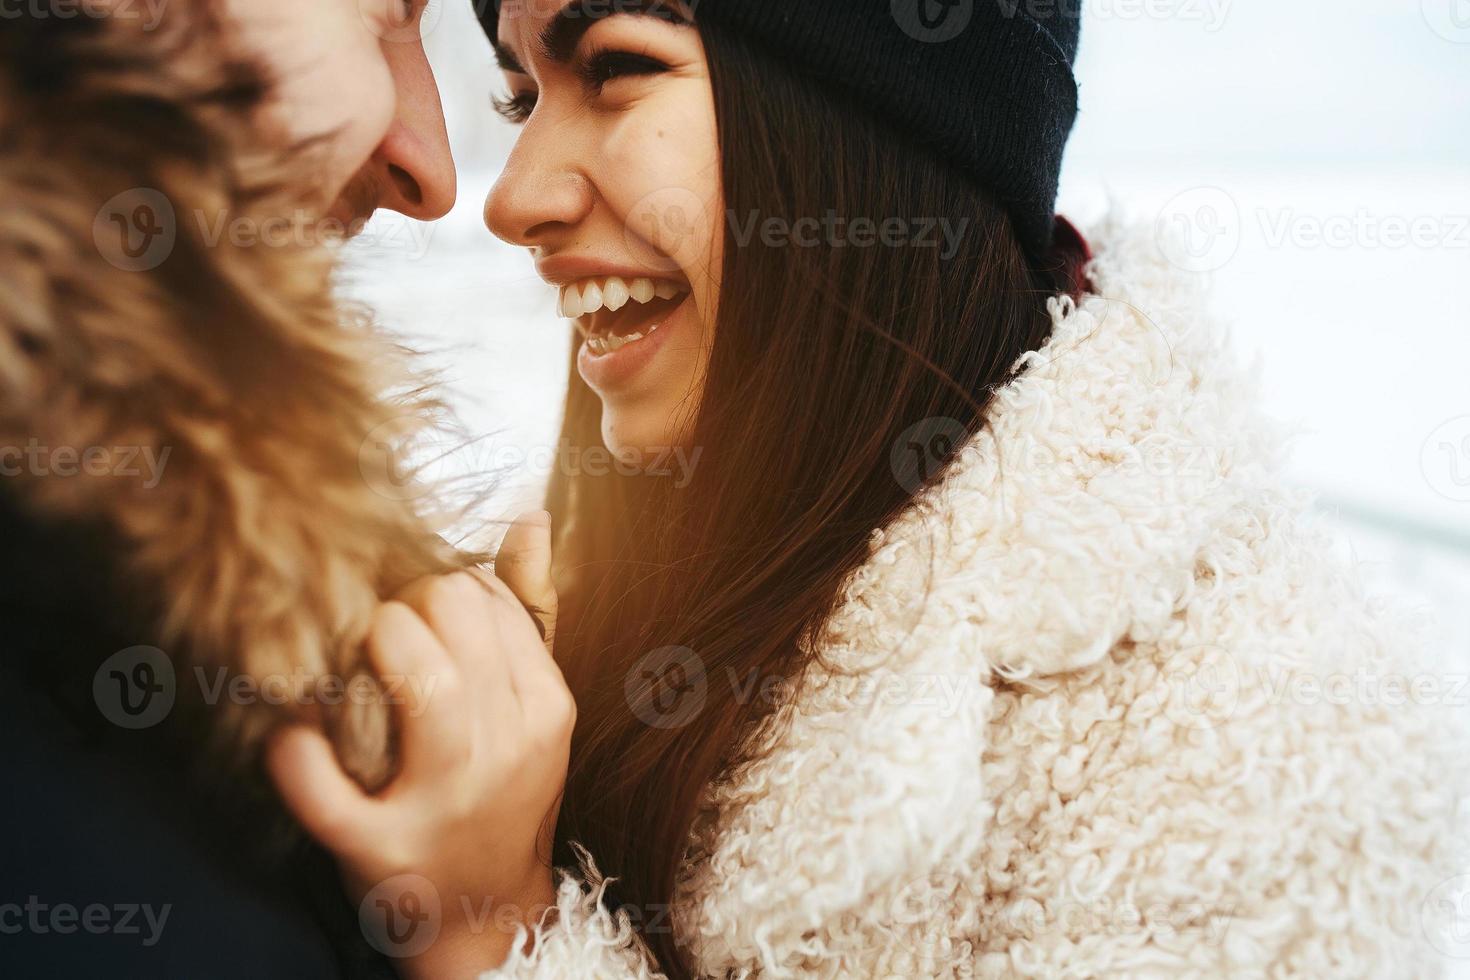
(451, 594)
(496, 586)
(388, 620)
(386, 613)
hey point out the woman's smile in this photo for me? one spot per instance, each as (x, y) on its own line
(614, 188)
(623, 322)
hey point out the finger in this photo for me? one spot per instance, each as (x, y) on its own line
(524, 564)
(426, 684)
(534, 673)
(461, 612)
(536, 677)
(319, 793)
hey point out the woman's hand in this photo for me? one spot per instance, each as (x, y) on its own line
(469, 819)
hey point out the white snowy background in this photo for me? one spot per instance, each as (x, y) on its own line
(1317, 156)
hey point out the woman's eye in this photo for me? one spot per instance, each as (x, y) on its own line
(601, 67)
(517, 108)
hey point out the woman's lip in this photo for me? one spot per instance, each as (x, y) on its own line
(618, 369)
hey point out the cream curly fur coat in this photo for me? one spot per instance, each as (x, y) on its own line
(1077, 734)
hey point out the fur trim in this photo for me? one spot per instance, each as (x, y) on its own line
(1054, 727)
(580, 930)
(265, 541)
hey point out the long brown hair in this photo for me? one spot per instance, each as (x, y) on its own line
(826, 358)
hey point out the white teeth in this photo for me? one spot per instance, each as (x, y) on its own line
(591, 299)
(571, 303)
(605, 343)
(613, 293)
(642, 290)
(601, 344)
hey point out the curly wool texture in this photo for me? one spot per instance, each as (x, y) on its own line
(1063, 722)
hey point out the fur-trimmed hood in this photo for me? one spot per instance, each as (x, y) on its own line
(1054, 693)
(271, 516)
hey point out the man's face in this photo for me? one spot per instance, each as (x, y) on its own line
(354, 73)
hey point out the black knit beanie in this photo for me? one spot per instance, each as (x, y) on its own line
(986, 83)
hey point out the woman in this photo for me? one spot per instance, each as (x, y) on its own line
(967, 649)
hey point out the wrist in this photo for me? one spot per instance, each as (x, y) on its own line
(479, 934)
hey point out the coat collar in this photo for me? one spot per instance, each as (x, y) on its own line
(1074, 518)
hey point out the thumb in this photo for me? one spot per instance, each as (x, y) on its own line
(314, 787)
(524, 564)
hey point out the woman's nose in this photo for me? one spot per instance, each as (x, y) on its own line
(536, 198)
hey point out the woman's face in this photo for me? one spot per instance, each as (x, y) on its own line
(614, 186)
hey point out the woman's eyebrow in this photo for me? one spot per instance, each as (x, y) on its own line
(559, 38)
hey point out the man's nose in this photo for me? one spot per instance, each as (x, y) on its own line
(413, 163)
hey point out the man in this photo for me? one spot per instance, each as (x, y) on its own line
(199, 503)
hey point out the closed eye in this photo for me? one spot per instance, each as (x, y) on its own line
(600, 67)
(596, 71)
(517, 108)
